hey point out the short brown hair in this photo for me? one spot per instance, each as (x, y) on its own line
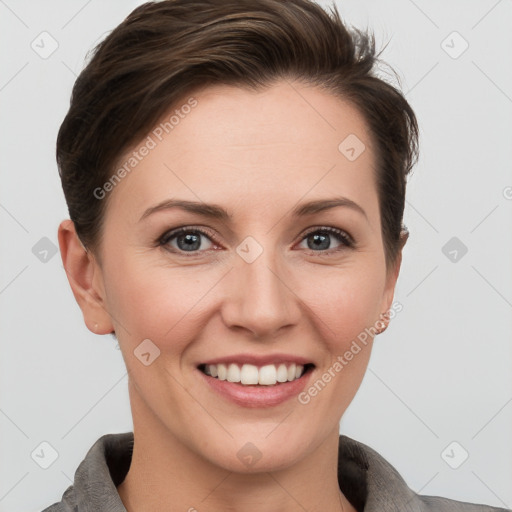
(164, 50)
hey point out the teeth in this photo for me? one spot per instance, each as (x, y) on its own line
(249, 374)
(221, 371)
(291, 372)
(233, 373)
(282, 373)
(267, 375)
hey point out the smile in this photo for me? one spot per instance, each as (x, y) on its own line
(251, 375)
(255, 381)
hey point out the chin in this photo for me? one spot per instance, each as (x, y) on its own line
(262, 447)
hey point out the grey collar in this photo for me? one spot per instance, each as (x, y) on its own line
(368, 481)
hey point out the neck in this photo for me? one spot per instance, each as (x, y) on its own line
(164, 472)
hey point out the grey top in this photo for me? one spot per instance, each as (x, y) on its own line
(368, 481)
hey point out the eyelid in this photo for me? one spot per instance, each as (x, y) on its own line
(331, 229)
(162, 240)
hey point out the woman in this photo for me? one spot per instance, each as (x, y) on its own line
(235, 177)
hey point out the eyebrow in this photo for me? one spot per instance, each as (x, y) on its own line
(214, 211)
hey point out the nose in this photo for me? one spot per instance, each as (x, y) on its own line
(260, 297)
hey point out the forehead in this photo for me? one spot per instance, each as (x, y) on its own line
(281, 143)
(285, 114)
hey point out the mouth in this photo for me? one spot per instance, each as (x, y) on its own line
(256, 380)
(251, 375)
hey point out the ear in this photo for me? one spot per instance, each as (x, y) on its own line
(391, 279)
(85, 278)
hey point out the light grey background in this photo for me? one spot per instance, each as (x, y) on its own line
(441, 372)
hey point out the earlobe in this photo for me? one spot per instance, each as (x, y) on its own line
(84, 276)
(391, 280)
(404, 236)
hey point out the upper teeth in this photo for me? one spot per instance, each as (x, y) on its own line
(249, 374)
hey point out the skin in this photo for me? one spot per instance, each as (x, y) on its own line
(257, 155)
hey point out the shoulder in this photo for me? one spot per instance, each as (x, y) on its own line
(98, 475)
(434, 503)
(372, 484)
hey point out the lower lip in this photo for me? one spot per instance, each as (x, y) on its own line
(256, 396)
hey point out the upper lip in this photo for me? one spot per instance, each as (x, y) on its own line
(258, 360)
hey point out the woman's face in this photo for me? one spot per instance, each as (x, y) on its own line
(268, 281)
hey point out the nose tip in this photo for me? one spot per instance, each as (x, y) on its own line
(259, 298)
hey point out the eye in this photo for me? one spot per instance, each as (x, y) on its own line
(186, 240)
(319, 240)
(190, 240)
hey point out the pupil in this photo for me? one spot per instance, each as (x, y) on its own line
(192, 242)
(318, 240)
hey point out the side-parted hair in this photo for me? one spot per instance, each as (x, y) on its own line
(163, 51)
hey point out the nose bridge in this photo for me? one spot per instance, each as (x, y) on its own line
(260, 299)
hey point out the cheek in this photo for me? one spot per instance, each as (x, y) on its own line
(345, 303)
(165, 305)
(170, 304)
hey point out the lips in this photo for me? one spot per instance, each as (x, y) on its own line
(257, 381)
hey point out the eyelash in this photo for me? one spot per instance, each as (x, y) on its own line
(346, 240)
